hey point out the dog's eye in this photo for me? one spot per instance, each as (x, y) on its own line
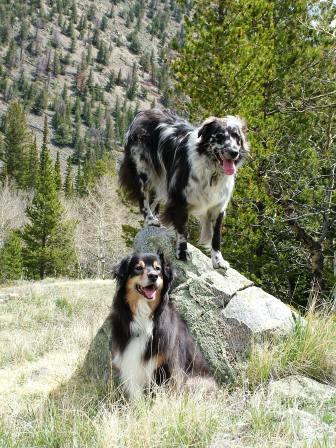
(158, 268)
(236, 137)
(220, 138)
(138, 268)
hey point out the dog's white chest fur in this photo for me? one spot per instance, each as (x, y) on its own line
(207, 189)
(135, 374)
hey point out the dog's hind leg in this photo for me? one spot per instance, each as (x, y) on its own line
(218, 261)
(176, 213)
(144, 202)
(155, 207)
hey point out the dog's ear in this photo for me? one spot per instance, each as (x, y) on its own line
(120, 271)
(206, 128)
(168, 271)
(242, 125)
(243, 130)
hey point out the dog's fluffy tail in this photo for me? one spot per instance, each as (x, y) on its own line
(128, 177)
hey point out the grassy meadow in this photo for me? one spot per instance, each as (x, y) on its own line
(45, 330)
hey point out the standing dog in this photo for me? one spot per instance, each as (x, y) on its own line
(191, 170)
(150, 341)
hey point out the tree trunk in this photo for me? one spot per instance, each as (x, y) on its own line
(317, 262)
(334, 289)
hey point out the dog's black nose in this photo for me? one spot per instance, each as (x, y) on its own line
(153, 276)
(233, 153)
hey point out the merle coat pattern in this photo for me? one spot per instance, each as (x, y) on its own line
(190, 170)
(150, 342)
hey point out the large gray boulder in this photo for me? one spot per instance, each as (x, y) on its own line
(224, 310)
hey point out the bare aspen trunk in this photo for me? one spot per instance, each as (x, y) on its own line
(317, 263)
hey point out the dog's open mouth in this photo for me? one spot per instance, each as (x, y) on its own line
(147, 291)
(227, 165)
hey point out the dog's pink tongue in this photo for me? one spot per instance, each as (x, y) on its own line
(149, 292)
(229, 167)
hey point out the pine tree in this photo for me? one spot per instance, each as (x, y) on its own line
(68, 186)
(11, 263)
(41, 102)
(45, 133)
(135, 45)
(73, 44)
(58, 176)
(88, 59)
(61, 120)
(16, 145)
(63, 133)
(22, 81)
(80, 26)
(48, 246)
(109, 133)
(56, 64)
(74, 16)
(103, 53)
(33, 169)
(77, 155)
(80, 187)
(87, 112)
(110, 82)
(133, 88)
(98, 117)
(10, 56)
(77, 110)
(104, 23)
(90, 81)
(119, 78)
(76, 134)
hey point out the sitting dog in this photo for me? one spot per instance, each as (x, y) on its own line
(150, 342)
(190, 170)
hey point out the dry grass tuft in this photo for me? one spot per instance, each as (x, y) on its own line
(309, 350)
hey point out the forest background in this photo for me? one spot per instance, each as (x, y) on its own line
(73, 75)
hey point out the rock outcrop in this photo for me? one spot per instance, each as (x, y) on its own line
(224, 310)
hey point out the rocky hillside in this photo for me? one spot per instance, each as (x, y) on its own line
(87, 65)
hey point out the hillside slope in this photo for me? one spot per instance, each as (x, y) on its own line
(109, 55)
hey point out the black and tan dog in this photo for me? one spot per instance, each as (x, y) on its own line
(150, 341)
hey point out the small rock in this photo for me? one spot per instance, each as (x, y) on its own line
(43, 371)
(8, 296)
(308, 427)
(302, 389)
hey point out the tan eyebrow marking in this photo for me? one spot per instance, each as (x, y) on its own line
(156, 264)
(140, 264)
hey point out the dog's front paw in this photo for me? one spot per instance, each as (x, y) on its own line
(152, 222)
(218, 261)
